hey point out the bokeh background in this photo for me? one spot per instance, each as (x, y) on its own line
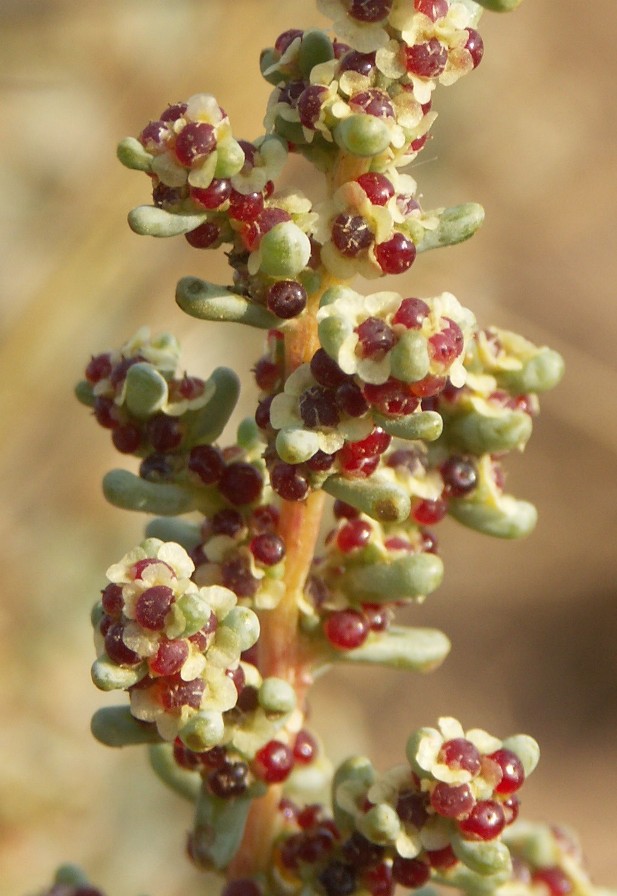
(532, 136)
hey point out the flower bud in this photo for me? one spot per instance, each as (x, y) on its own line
(380, 824)
(362, 135)
(409, 359)
(483, 857)
(285, 250)
(277, 696)
(244, 624)
(203, 731)
(146, 390)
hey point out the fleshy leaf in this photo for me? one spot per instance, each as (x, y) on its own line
(148, 220)
(419, 649)
(456, 224)
(207, 301)
(126, 490)
(115, 726)
(384, 501)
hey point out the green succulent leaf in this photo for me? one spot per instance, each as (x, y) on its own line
(148, 220)
(384, 501)
(115, 726)
(126, 490)
(456, 224)
(418, 649)
(207, 301)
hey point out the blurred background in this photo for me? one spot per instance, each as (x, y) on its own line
(532, 137)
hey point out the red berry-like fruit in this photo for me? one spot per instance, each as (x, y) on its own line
(375, 338)
(452, 800)
(410, 872)
(351, 235)
(411, 313)
(346, 629)
(207, 462)
(485, 821)
(286, 298)
(434, 9)
(195, 140)
(370, 10)
(555, 880)
(427, 60)
(288, 482)
(203, 236)
(240, 483)
(274, 762)
(396, 255)
(305, 747)
(475, 46)
(377, 187)
(267, 548)
(152, 607)
(512, 771)
(460, 753)
(353, 535)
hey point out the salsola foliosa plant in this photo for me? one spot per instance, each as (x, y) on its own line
(271, 559)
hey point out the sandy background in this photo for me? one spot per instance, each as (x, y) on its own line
(534, 626)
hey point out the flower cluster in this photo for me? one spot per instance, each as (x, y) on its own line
(134, 393)
(381, 356)
(372, 94)
(440, 817)
(170, 643)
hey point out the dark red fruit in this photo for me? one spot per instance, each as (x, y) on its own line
(305, 747)
(274, 762)
(207, 462)
(288, 482)
(369, 10)
(268, 548)
(203, 236)
(411, 313)
(485, 821)
(460, 753)
(195, 140)
(512, 771)
(375, 338)
(377, 187)
(475, 46)
(410, 872)
(240, 483)
(556, 880)
(152, 607)
(346, 629)
(286, 298)
(351, 235)
(452, 800)
(396, 255)
(427, 60)
(353, 535)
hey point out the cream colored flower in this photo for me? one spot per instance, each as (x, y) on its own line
(362, 36)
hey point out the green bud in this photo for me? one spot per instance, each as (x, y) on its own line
(107, 676)
(380, 824)
(71, 876)
(384, 501)
(146, 390)
(499, 5)
(114, 726)
(147, 220)
(207, 424)
(244, 624)
(356, 770)
(132, 154)
(527, 750)
(219, 827)
(229, 158)
(171, 529)
(267, 59)
(409, 358)
(418, 649)
(480, 434)
(412, 576)
(196, 612)
(362, 135)
(248, 436)
(124, 489)
(285, 250)
(84, 394)
(207, 301)
(456, 224)
(276, 696)
(333, 331)
(203, 731)
(539, 373)
(333, 294)
(505, 518)
(483, 857)
(315, 48)
(425, 425)
(289, 130)
(182, 781)
(294, 446)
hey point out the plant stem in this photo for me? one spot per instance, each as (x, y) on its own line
(280, 652)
